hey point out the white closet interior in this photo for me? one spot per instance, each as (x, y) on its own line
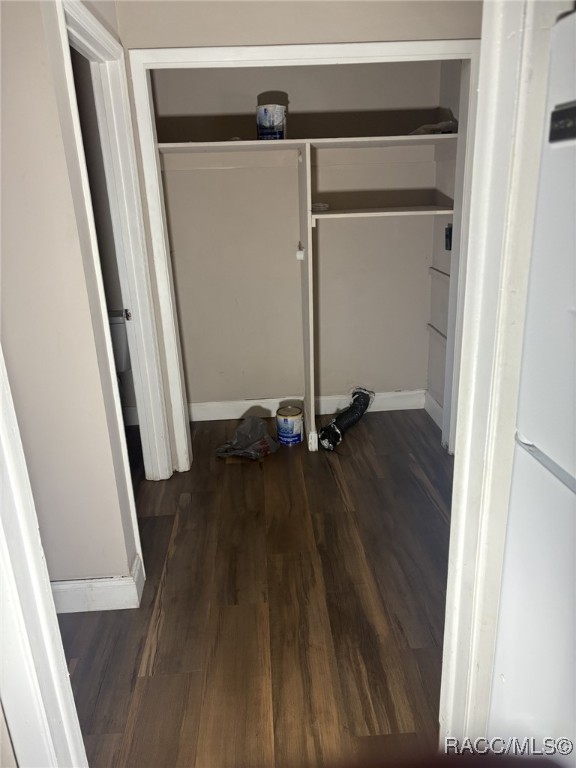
(369, 304)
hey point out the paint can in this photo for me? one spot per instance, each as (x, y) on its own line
(271, 121)
(289, 425)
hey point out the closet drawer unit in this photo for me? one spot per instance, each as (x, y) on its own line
(436, 364)
(440, 288)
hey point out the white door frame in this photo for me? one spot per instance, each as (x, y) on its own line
(510, 127)
(142, 61)
(58, 47)
(459, 254)
(107, 65)
(34, 683)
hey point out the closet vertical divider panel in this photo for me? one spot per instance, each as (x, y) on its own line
(305, 246)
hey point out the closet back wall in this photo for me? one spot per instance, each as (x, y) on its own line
(233, 225)
(373, 303)
(234, 230)
(335, 88)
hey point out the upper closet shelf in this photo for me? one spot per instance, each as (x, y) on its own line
(304, 126)
(228, 146)
(359, 142)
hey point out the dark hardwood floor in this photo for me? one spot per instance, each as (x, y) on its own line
(135, 458)
(292, 614)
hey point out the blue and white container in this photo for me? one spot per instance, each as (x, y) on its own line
(289, 425)
(271, 121)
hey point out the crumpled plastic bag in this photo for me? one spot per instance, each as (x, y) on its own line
(251, 440)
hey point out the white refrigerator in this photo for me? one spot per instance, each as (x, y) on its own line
(534, 685)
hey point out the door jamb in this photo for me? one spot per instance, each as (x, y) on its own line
(510, 125)
(142, 61)
(459, 254)
(107, 66)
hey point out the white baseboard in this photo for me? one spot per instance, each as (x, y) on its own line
(405, 400)
(236, 409)
(433, 409)
(108, 594)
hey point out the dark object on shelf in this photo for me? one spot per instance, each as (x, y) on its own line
(271, 121)
(448, 237)
(331, 435)
(250, 440)
(445, 126)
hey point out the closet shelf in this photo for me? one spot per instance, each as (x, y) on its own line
(365, 204)
(228, 146)
(342, 143)
(353, 123)
(427, 139)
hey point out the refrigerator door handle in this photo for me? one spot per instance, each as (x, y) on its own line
(555, 469)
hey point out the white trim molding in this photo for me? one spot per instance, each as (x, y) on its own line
(34, 683)
(459, 252)
(107, 594)
(512, 88)
(302, 55)
(402, 400)
(107, 65)
(86, 36)
(174, 371)
(433, 409)
(236, 409)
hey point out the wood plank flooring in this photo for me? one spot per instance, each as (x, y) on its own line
(292, 614)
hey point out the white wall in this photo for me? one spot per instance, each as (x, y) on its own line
(174, 23)
(233, 221)
(47, 328)
(450, 86)
(373, 303)
(105, 12)
(310, 89)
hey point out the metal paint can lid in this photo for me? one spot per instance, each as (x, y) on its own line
(289, 411)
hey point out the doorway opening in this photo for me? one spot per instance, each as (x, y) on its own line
(235, 590)
(117, 314)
